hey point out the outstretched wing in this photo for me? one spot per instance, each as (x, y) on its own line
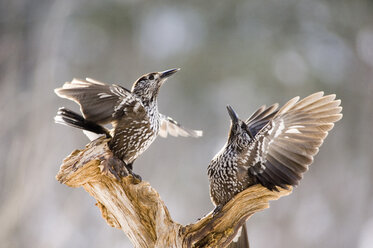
(100, 103)
(170, 126)
(283, 149)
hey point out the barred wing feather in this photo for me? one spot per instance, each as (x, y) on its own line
(99, 102)
(260, 118)
(284, 148)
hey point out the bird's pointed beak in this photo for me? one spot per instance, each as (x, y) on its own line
(168, 73)
(232, 114)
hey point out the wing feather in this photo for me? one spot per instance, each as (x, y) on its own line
(170, 126)
(295, 176)
(99, 102)
(256, 113)
(290, 104)
(260, 118)
(309, 99)
(284, 148)
(283, 173)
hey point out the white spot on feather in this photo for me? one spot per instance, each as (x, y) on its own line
(280, 128)
(121, 104)
(103, 95)
(136, 107)
(294, 129)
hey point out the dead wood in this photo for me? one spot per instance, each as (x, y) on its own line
(137, 209)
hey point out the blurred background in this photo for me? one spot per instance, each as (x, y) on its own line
(243, 53)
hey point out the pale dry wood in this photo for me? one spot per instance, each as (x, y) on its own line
(137, 209)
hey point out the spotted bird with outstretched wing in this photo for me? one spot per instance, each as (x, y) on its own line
(272, 148)
(132, 113)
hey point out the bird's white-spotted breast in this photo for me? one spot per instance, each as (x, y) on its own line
(134, 133)
(225, 175)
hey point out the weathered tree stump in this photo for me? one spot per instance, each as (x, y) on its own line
(137, 209)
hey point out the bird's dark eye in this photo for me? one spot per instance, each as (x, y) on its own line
(151, 77)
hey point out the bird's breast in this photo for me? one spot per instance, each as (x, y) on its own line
(131, 138)
(222, 174)
(228, 175)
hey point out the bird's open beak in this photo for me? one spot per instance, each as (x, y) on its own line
(232, 114)
(169, 73)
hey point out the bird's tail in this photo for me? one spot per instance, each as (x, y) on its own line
(241, 240)
(70, 118)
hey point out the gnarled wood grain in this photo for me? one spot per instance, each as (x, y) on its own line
(137, 209)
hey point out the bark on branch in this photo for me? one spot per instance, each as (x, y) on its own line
(137, 209)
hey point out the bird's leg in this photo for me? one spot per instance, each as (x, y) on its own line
(129, 167)
(217, 210)
(115, 166)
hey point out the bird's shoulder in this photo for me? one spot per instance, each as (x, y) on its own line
(128, 104)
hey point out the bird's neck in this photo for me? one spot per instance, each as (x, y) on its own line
(227, 150)
(151, 108)
(230, 147)
(150, 104)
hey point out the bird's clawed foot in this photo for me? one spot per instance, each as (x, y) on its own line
(115, 166)
(134, 175)
(111, 165)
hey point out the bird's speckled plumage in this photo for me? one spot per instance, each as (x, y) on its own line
(273, 147)
(133, 114)
(134, 134)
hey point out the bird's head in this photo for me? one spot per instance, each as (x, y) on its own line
(239, 133)
(148, 85)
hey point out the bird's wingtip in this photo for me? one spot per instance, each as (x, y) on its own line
(198, 133)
